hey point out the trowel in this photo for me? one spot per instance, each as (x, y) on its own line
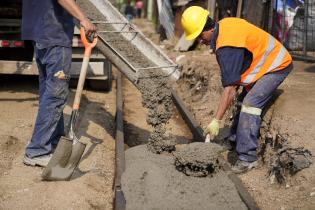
(208, 138)
(69, 149)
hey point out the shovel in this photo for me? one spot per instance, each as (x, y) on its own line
(69, 149)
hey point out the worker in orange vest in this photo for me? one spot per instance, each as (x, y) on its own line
(248, 56)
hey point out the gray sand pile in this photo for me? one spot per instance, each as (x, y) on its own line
(198, 159)
(153, 85)
(151, 181)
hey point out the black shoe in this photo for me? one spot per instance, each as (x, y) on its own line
(243, 166)
(41, 161)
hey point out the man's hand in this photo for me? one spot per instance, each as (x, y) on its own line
(213, 128)
(89, 27)
(76, 12)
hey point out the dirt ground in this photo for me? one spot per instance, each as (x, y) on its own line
(91, 186)
(293, 116)
(20, 185)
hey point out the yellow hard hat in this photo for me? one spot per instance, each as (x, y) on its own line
(193, 20)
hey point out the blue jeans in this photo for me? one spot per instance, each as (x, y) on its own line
(248, 125)
(54, 74)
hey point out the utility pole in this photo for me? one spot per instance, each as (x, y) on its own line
(239, 8)
(211, 8)
(150, 12)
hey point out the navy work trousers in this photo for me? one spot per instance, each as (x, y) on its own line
(54, 75)
(246, 126)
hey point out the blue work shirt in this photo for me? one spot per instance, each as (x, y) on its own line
(47, 23)
(233, 61)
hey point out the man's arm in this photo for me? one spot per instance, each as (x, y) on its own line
(231, 64)
(77, 13)
(231, 61)
(225, 101)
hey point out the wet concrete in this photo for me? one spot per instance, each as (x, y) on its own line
(198, 159)
(157, 98)
(160, 142)
(151, 181)
(153, 85)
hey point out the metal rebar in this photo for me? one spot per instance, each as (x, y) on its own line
(270, 19)
(156, 67)
(117, 53)
(283, 20)
(106, 22)
(117, 32)
(305, 28)
(129, 64)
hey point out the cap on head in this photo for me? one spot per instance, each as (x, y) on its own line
(193, 21)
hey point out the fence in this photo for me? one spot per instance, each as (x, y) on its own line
(294, 25)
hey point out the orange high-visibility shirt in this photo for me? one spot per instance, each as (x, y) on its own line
(269, 54)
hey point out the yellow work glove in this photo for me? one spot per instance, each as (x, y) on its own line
(213, 127)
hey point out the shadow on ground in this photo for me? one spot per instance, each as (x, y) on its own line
(133, 135)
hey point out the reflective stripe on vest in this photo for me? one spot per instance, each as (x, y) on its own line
(278, 60)
(268, 53)
(250, 77)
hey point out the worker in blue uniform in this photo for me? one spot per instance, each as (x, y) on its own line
(50, 25)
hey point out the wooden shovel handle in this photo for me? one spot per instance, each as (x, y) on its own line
(87, 45)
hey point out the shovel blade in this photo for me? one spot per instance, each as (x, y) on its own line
(64, 160)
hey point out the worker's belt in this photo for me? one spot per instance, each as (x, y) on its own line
(251, 110)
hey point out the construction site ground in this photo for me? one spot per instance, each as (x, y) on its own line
(20, 185)
(91, 185)
(291, 115)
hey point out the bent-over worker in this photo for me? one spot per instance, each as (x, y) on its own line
(248, 56)
(49, 24)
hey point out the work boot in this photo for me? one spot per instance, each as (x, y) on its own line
(41, 161)
(243, 166)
